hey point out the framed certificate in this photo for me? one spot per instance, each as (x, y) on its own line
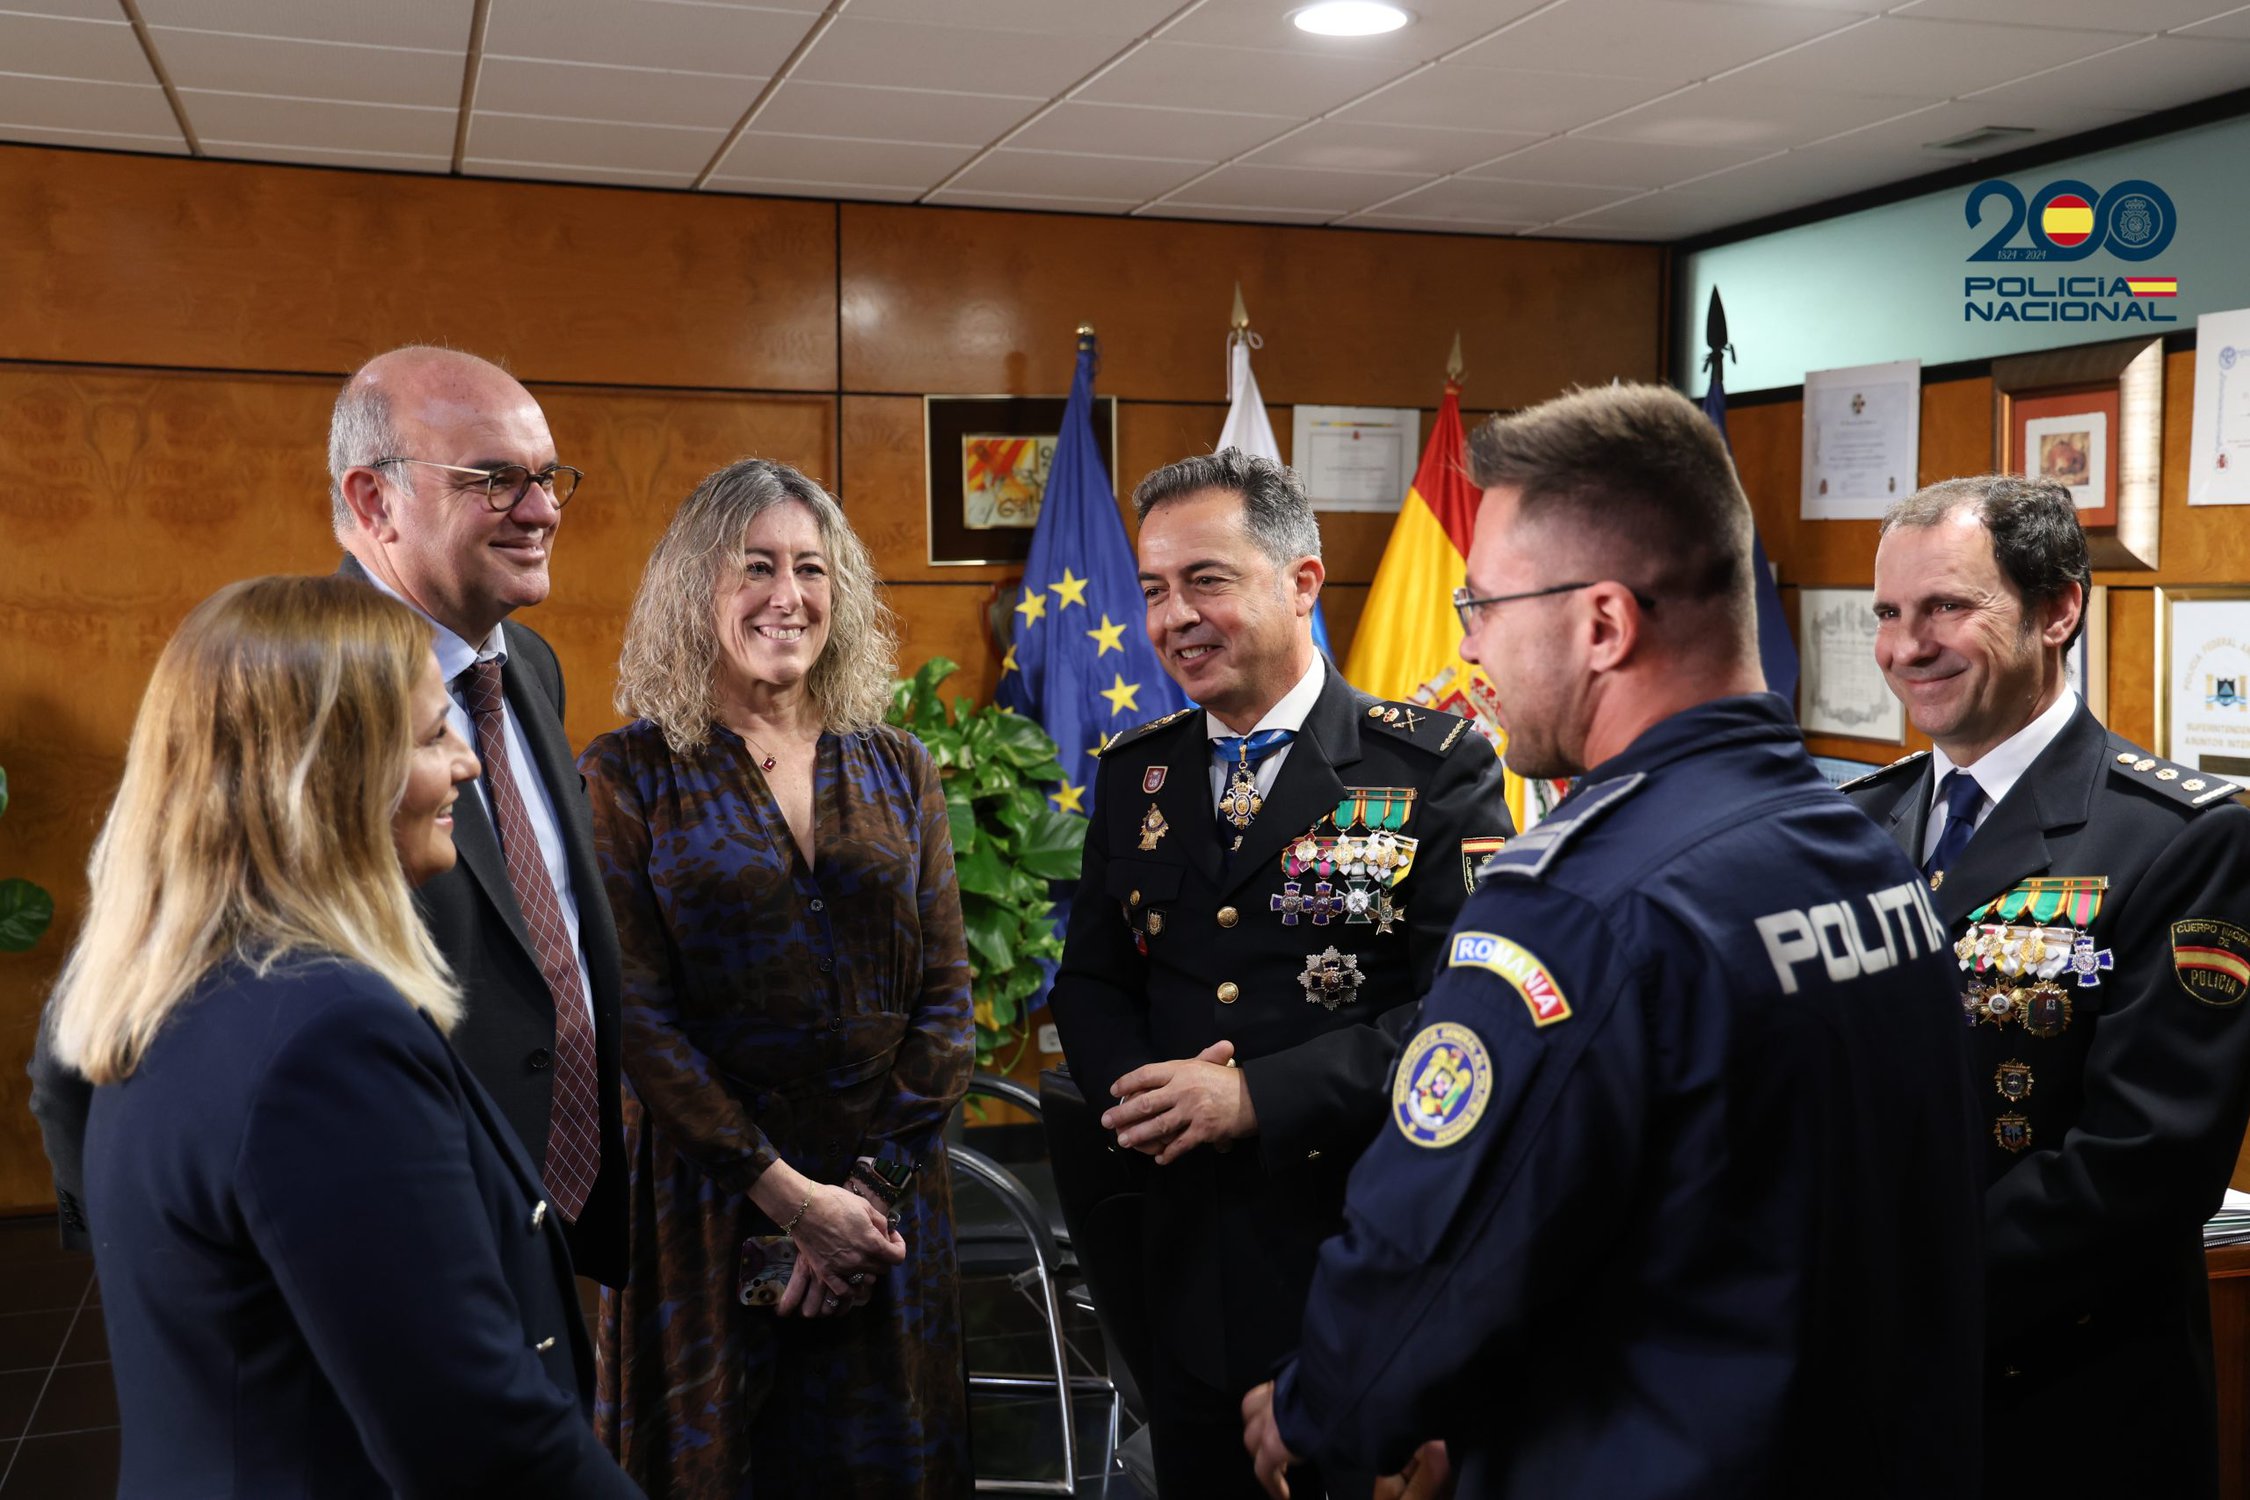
(1840, 690)
(2203, 675)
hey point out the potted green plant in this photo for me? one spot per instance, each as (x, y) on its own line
(25, 909)
(1009, 844)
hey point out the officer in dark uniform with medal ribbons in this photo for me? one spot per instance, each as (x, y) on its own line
(1266, 878)
(1677, 1195)
(2097, 900)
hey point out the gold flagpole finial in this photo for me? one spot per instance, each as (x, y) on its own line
(1085, 330)
(1241, 318)
(1453, 365)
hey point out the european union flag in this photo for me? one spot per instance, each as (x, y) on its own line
(1081, 664)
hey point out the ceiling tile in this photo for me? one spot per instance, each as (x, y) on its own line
(107, 140)
(1598, 163)
(1236, 214)
(1438, 27)
(1178, 76)
(1054, 174)
(874, 114)
(976, 198)
(1889, 55)
(814, 158)
(548, 172)
(53, 47)
(309, 70)
(778, 188)
(1482, 200)
(440, 24)
(1358, 145)
(326, 123)
(2147, 75)
(1811, 174)
(1659, 216)
(1491, 99)
(639, 96)
(1431, 226)
(963, 59)
(85, 10)
(1735, 111)
(76, 104)
(1181, 134)
(313, 156)
(1674, 40)
(646, 34)
(1293, 188)
(494, 136)
(2233, 25)
(2086, 15)
(2050, 116)
(1120, 19)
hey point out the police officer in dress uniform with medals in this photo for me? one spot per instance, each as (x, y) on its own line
(1266, 877)
(1676, 1196)
(2097, 900)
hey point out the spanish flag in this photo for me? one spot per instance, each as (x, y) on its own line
(1409, 635)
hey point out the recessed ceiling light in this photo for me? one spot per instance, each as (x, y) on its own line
(1349, 18)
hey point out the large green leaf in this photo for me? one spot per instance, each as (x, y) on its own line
(983, 873)
(1020, 741)
(961, 815)
(25, 911)
(990, 929)
(1052, 845)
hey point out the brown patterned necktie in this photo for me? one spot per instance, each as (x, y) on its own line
(574, 1127)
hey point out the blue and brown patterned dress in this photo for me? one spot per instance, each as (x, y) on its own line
(817, 1013)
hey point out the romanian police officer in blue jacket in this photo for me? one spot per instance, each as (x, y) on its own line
(1676, 1196)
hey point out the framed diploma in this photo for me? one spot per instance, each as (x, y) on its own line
(1863, 440)
(2219, 456)
(1840, 690)
(2092, 420)
(2203, 675)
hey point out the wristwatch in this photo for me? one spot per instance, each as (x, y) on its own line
(887, 1180)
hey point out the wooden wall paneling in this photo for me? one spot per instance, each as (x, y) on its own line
(1349, 317)
(298, 268)
(948, 620)
(2132, 663)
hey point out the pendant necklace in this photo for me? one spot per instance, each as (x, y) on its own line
(767, 763)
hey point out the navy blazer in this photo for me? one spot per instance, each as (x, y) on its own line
(327, 1265)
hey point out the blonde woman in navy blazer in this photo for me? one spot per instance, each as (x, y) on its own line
(327, 1264)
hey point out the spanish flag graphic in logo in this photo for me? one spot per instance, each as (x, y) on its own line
(2153, 286)
(2068, 220)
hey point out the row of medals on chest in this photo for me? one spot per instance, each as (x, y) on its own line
(2018, 971)
(1367, 863)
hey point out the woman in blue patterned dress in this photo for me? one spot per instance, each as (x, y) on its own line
(796, 1021)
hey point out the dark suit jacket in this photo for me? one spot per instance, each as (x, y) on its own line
(2106, 1143)
(326, 1263)
(1170, 949)
(508, 1037)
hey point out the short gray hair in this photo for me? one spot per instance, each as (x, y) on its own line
(2037, 539)
(360, 431)
(1275, 510)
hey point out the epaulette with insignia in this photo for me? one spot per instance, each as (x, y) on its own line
(1885, 773)
(1142, 731)
(2180, 783)
(1527, 855)
(1433, 729)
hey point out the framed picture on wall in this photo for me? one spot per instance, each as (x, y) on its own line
(2203, 675)
(1840, 690)
(2092, 419)
(988, 460)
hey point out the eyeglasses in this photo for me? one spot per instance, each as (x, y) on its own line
(505, 485)
(1471, 609)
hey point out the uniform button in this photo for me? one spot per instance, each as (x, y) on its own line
(836, 1023)
(827, 966)
(1228, 916)
(2011, 1372)
(2084, 1318)
(817, 904)
(544, 1344)
(1229, 992)
(1312, 1156)
(539, 1059)
(1134, 899)
(538, 1213)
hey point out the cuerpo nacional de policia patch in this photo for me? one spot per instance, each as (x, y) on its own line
(2212, 960)
(1444, 1082)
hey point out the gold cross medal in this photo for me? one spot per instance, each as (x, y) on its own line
(1153, 827)
(1239, 804)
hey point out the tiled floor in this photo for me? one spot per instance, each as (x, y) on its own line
(58, 1410)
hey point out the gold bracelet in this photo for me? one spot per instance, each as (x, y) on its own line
(789, 1229)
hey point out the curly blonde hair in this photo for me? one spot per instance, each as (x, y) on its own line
(668, 671)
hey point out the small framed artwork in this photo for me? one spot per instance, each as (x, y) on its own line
(989, 457)
(2092, 420)
(2203, 676)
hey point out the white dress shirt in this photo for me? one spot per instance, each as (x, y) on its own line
(1289, 713)
(1998, 769)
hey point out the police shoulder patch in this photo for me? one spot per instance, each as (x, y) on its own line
(1443, 1084)
(1528, 855)
(1879, 776)
(1516, 964)
(1142, 731)
(2212, 960)
(2198, 789)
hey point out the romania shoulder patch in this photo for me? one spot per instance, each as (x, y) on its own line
(1530, 978)
(1444, 1083)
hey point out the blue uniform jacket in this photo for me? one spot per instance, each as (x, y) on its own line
(1677, 1194)
(327, 1266)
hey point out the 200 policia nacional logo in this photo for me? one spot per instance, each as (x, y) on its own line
(2064, 222)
